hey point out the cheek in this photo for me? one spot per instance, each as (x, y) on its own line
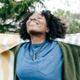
(44, 24)
(26, 24)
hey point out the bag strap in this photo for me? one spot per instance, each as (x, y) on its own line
(15, 60)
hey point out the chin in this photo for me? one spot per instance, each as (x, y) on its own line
(34, 32)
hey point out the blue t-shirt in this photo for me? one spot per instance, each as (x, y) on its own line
(47, 66)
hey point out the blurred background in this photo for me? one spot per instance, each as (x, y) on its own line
(11, 12)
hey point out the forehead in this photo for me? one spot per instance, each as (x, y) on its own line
(36, 14)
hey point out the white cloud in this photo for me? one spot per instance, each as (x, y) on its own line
(52, 5)
(74, 5)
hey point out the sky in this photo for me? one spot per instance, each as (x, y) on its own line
(73, 5)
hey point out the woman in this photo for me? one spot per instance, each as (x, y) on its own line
(42, 57)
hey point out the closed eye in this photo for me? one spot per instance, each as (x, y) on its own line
(39, 18)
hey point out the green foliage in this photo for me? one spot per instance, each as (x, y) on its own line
(74, 27)
(71, 20)
(15, 10)
(11, 8)
(59, 12)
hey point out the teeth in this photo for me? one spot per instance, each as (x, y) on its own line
(32, 23)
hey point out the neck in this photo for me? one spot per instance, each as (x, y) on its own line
(38, 39)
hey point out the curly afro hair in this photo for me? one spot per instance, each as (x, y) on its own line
(57, 29)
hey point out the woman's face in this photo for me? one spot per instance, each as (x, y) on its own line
(37, 23)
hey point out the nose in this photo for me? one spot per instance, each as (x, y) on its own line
(33, 18)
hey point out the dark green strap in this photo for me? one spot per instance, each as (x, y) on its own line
(71, 61)
(15, 60)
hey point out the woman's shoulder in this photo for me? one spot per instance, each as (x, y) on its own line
(55, 43)
(24, 45)
(19, 46)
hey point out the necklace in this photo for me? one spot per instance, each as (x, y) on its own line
(34, 54)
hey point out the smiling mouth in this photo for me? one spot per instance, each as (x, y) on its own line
(33, 23)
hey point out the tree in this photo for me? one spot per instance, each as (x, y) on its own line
(72, 21)
(12, 11)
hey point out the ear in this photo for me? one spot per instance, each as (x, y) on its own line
(47, 30)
